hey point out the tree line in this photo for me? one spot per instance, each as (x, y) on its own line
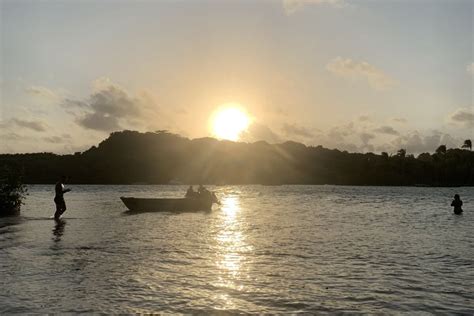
(129, 157)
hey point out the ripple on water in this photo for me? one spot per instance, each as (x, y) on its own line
(266, 249)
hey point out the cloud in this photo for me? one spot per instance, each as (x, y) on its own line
(362, 136)
(258, 131)
(103, 83)
(416, 143)
(348, 137)
(470, 68)
(57, 139)
(463, 116)
(13, 137)
(70, 103)
(100, 122)
(351, 69)
(366, 137)
(386, 130)
(399, 120)
(291, 6)
(53, 139)
(295, 130)
(339, 133)
(37, 126)
(110, 107)
(42, 92)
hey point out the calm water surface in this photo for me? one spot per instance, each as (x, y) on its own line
(271, 249)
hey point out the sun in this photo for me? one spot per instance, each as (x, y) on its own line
(229, 122)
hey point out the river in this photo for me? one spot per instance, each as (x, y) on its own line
(266, 249)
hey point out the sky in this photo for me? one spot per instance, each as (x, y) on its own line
(362, 76)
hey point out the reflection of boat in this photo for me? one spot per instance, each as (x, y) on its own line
(169, 205)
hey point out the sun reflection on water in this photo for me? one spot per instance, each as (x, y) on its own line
(230, 207)
(231, 249)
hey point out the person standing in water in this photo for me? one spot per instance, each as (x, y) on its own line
(457, 203)
(59, 197)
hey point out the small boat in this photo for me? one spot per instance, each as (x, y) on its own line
(170, 204)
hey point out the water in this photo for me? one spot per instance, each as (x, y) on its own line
(267, 249)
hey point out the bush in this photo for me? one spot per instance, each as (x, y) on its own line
(12, 191)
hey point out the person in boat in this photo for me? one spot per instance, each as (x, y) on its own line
(59, 197)
(201, 189)
(457, 203)
(203, 192)
(190, 193)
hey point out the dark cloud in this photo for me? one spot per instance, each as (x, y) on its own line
(258, 131)
(114, 101)
(295, 130)
(463, 116)
(37, 126)
(107, 109)
(386, 130)
(100, 122)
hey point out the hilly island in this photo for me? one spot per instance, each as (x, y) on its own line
(129, 157)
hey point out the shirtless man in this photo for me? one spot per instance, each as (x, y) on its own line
(59, 197)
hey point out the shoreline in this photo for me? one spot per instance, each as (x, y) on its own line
(260, 184)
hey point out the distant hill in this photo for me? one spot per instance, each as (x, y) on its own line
(158, 158)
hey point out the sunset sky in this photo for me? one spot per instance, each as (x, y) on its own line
(354, 75)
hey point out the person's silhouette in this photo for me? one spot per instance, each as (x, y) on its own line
(59, 197)
(190, 193)
(457, 203)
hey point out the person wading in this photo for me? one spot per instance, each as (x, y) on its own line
(59, 197)
(457, 203)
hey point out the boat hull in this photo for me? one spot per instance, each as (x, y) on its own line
(167, 205)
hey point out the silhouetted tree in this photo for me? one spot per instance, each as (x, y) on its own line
(425, 157)
(441, 149)
(12, 190)
(157, 158)
(401, 153)
(467, 144)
